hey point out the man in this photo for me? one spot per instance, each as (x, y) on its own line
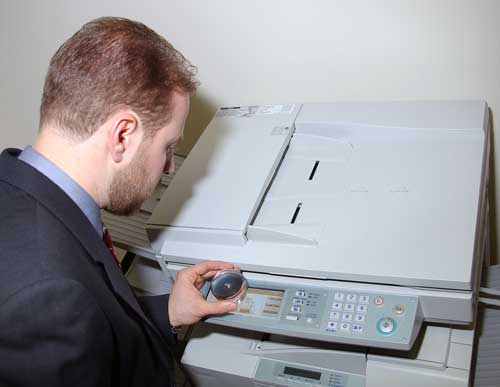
(113, 109)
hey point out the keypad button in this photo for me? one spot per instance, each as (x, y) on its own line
(337, 306)
(351, 298)
(296, 309)
(378, 301)
(364, 299)
(358, 328)
(349, 307)
(345, 327)
(300, 293)
(346, 316)
(334, 315)
(339, 296)
(362, 308)
(298, 301)
(292, 317)
(359, 318)
(332, 326)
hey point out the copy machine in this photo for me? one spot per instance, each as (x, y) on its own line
(361, 229)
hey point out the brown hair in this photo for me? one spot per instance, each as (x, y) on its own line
(112, 63)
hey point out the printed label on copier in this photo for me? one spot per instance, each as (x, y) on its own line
(238, 111)
(250, 111)
(275, 109)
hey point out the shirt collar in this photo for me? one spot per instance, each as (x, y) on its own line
(81, 197)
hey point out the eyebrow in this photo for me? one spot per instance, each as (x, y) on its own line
(175, 141)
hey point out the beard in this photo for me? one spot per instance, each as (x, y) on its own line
(130, 187)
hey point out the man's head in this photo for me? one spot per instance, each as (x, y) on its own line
(118, 84)
(109, 64)
(135, 181)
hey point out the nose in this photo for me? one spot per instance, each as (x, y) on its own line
(169, 167)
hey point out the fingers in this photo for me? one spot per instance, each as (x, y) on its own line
(210, 274)
(205, 267)
(186, 304)
(219, 307)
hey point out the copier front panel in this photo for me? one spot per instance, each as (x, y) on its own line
(284, 374)
(223, 356)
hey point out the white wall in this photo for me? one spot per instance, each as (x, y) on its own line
(273, 51)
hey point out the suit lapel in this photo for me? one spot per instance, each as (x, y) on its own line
(28, 179)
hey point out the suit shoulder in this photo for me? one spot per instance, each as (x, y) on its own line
(18, 210)
(34, 244)
(45, 327)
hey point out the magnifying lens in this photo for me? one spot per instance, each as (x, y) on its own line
(228, 285)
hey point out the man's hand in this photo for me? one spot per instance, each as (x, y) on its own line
(186, 305)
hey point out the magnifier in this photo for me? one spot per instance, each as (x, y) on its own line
(228, 285)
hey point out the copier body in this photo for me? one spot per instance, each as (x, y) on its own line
(356, 224)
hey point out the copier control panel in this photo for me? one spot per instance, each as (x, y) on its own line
(374, 319)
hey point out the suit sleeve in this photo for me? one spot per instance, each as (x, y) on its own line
(156, 308)
(53, 333)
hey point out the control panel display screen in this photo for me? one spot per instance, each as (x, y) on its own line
(302, 373)
(261, 302)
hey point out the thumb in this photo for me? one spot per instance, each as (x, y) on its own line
(220, 307)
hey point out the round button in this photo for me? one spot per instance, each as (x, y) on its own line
(398, 309)
(386, 325)
(228, 284)
(378, 301)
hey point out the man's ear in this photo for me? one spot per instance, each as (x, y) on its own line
(123, 136)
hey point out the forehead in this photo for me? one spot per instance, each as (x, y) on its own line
(180, 108)
(180, 103)
(172, 132)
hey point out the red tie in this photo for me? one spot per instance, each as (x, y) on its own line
(109, 243)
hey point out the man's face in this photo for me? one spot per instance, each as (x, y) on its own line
(134, 184)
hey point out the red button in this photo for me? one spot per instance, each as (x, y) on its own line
(378, 301)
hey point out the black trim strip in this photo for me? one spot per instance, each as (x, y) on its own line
(314, 170)
(296, 213)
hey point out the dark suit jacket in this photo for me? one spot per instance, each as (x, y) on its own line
(67, 315)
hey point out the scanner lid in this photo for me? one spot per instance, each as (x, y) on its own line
(398, 197)
(222, 182)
